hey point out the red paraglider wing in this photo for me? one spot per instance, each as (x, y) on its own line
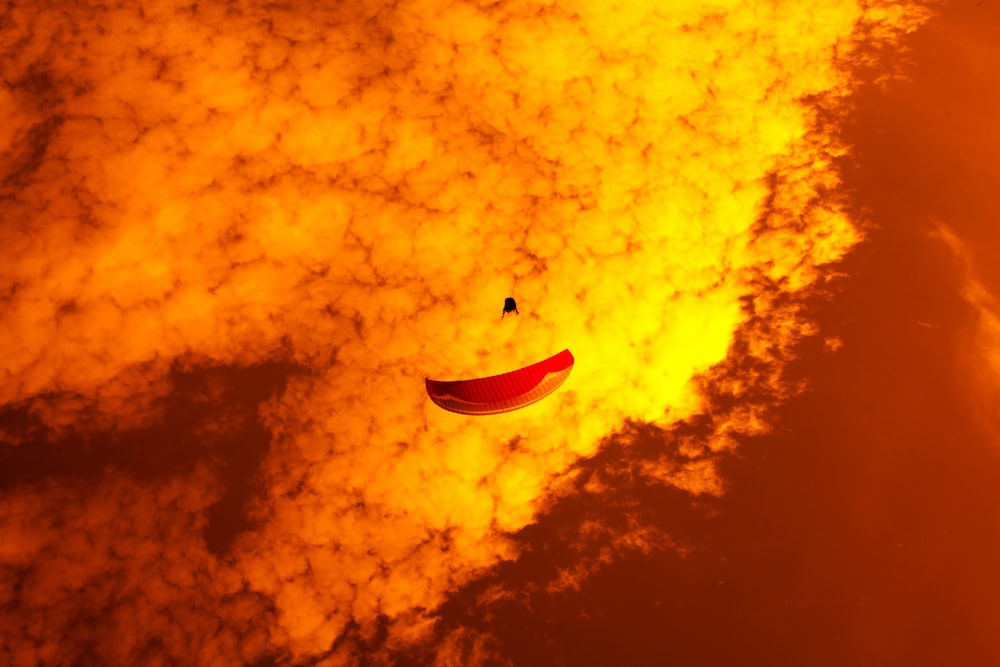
(502, 393)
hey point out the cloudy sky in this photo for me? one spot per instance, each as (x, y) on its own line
(235, 238)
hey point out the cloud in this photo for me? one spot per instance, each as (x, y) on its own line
(117, 571)
(354, 190)
(979, 349)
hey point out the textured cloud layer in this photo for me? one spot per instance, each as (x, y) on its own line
(354, 189)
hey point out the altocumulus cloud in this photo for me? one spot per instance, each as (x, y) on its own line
(352, 190)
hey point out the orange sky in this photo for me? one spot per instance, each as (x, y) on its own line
(234, 239)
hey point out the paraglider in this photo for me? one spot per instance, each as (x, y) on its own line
(505, 392)
(509, 305)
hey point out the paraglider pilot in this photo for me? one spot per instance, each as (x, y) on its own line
(509, 305)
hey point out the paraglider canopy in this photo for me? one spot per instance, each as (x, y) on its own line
(509, 306)
(505, 392)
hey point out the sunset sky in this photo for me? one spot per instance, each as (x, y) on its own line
(235, 238)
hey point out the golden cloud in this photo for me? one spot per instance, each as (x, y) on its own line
(355, 189)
